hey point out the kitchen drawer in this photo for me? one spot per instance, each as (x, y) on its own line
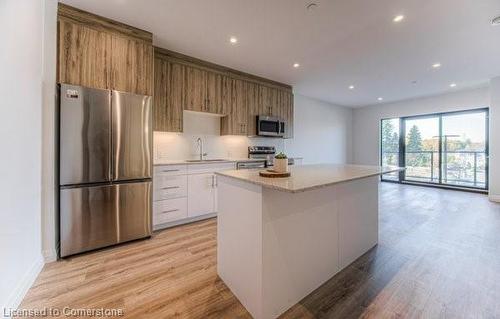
(169, 210)
(167, 187)
(170, 170)
(210, 167)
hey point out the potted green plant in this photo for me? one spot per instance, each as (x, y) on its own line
(280, 163)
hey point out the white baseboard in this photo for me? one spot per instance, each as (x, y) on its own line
(494, 198)
(183, 221)
(18, 293)
(49, 255)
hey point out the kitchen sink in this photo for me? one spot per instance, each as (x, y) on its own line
(206, 160)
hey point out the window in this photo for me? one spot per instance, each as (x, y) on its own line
(446, 148)
(464, 148)
(390, 146)
(422, 149)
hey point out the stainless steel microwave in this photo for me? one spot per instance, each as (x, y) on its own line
(270, 126)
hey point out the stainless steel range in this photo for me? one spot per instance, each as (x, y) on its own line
(265, 153)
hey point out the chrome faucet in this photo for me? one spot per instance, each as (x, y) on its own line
(199, 141)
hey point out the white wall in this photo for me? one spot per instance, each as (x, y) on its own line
(21, 29)
(494, 176)
(366, 120)
(322, 132)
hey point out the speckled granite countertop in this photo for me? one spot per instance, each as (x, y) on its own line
(308, 177)
(225, 160)
(180, 162)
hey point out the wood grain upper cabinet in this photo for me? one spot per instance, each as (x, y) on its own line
(131, 65)
(252, 100)
(226, 95)
(97, 52)
(235, 123)
(204, 91)
(269, 101)
(168, 96)
(84, 57)
(196, 89)
(175, 95)
(214, 93)
(239, 107)
(286, 108)
(161, 77)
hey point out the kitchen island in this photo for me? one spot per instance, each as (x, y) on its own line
(278, 239)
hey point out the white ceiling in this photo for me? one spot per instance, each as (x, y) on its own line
(341, 42)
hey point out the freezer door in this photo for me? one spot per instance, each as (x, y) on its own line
(85, 135)
(131, 136)
(134, 210)
(100, 216)
(88, 219)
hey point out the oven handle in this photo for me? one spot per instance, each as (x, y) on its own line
(244, 165)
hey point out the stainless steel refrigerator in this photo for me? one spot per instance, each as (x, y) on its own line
(105, 168)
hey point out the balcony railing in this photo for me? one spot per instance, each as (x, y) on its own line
(461, 168)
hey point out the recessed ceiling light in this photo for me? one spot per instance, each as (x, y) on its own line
(351, 87)
(296, 65)
(233, 40)
(452, 85)
(398, 18)
(380, 98)
(495, 21)
(436, 65)
(311, 6)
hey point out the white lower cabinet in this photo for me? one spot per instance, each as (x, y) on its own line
(201, 194)
(165, 211)
(169, 187)
(183, 193)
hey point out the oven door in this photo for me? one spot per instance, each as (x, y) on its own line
(268, 126)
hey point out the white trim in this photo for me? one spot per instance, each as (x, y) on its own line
(494, 198)
(49, 255)
(18, 293)
(183, 221)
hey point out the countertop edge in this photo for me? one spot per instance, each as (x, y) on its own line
(235, 160)
(301, 190)
(185, 162)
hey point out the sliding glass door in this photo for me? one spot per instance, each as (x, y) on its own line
(390, 146)
(421, 149)
(464, 147)
(442, 149)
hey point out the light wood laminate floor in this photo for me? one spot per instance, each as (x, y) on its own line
(438, 257)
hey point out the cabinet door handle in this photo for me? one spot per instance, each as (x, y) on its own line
(215, 180)
(171, 187)
(169, 211)
(170, 170)
(213, 183)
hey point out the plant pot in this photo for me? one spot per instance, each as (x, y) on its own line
(280, 165)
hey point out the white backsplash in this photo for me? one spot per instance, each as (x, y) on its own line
(179, 146)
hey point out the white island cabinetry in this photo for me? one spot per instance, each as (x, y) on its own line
(278, 239)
